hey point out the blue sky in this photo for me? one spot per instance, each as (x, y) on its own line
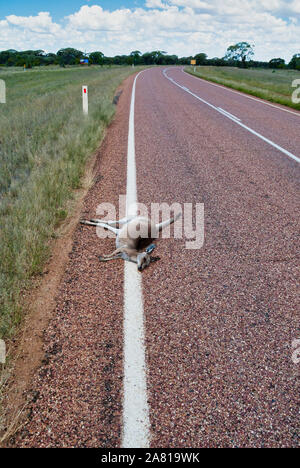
(181, 27)
(59, 9)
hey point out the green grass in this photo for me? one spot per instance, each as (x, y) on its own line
(45, 143)
(264, 83)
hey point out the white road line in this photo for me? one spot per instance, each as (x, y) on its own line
(136, 425)
(228, 113)
(270, 142)
(225, 88)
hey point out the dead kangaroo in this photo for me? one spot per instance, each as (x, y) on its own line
(134, 238)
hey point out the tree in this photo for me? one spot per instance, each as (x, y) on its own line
(148, 58)
(120, 60)
(136, 57)
(295, 62)
(170, 60)
(108, 61)
(277, 63)
(50, 59)
(96, 58)
(185, 60)
(154, 58)
(4, 56)
(242, 51)
(200, 58)
(158, 56)
(217, 62)
(69, 56)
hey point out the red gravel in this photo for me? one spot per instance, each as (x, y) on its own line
(220, 320)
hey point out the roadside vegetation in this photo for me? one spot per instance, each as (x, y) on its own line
(45, 142)
(272, 85)
(237, 55)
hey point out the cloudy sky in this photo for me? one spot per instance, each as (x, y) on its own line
(181, 27)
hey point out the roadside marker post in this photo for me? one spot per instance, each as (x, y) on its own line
(2, 352)
(2, 92)
(194, 62)
(85, 100)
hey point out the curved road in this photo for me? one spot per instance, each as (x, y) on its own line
(219, 322)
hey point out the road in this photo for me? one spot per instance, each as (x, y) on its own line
(219, 321)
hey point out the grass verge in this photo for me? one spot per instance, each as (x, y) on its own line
(45, 143)
(272, 85)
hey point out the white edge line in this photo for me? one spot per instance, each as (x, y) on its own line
(136, 424)
(262, 101)
(270, 142)
(228, 113)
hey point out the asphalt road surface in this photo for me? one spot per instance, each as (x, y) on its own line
(216, 324)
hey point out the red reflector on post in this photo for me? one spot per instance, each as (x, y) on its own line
(85, 104)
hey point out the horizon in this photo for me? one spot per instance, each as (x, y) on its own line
(88, 53)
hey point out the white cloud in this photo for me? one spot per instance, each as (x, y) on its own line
(40, 23)
(95, 18)
(155, 4)
(295, 6)
(182, 27)
(195, 4)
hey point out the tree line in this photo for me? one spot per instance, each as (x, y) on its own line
(237, 55)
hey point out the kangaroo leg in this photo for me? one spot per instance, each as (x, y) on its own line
(105, 226)
(112, 256)
(88, 223)
(116, 252)
(119, 222)
(108, 227)
(107, 259)
(116, 257)
(162, 225)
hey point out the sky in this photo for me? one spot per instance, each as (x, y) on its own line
(181, 27)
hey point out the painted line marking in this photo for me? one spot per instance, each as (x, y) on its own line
(136, 423)
(242, 94)
(270, 142)
(228, 113)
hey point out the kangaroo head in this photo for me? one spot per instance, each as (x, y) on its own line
(143, 260)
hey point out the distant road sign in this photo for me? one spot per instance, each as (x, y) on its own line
(193, 62)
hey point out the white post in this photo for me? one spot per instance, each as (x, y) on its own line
(85, 100)
(2, 92)
(2, 352)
